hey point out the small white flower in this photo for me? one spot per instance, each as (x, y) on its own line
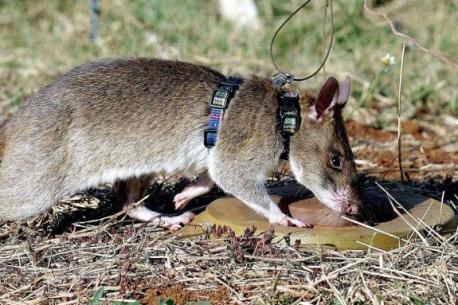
(151, 39)
(388, 60)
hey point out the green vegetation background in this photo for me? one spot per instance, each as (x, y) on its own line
(40, 39)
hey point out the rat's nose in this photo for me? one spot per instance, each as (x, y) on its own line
(351, 209)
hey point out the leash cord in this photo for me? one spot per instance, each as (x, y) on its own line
(286, 21)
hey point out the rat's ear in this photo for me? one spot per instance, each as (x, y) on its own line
(326, 99)
(344, 91)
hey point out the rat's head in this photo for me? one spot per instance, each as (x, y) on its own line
(320, 154)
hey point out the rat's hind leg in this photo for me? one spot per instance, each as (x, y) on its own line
(201, 186)
(144, 214)
(24, 193)
(133, 190)
(23, 200)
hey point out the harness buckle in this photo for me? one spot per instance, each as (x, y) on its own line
(210, 137)
(220, 98)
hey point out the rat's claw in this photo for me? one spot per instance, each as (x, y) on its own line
(292, 222)
(173, 227)
(174, 223)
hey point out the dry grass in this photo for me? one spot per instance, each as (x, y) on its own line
(138, 261)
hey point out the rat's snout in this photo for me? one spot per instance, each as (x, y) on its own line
(350, 200)
(345, 200)
(351, 209)
(353, 204)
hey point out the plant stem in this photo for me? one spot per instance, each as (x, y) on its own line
(401, 171)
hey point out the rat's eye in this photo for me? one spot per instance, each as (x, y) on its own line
(336, 161)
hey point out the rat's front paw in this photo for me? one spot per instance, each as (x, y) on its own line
(292, 222)
(282, 219)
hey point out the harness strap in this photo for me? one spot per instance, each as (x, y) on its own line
(289, 117)
(219, 103)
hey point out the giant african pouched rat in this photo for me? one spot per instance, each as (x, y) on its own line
(122, 120)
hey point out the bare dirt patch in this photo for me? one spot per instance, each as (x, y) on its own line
(425, 153)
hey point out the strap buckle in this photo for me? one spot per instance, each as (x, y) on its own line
(220, 98)
(210, 137)
(224, 92)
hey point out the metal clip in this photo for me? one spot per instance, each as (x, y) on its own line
(282, 78)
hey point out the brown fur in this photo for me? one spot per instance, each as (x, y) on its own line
(2, 140)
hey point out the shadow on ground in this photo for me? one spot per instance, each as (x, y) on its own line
(161, 196)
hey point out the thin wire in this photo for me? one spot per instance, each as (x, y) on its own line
(279, 29)
(285, 22)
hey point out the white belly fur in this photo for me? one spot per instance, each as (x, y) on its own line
(190, 160)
